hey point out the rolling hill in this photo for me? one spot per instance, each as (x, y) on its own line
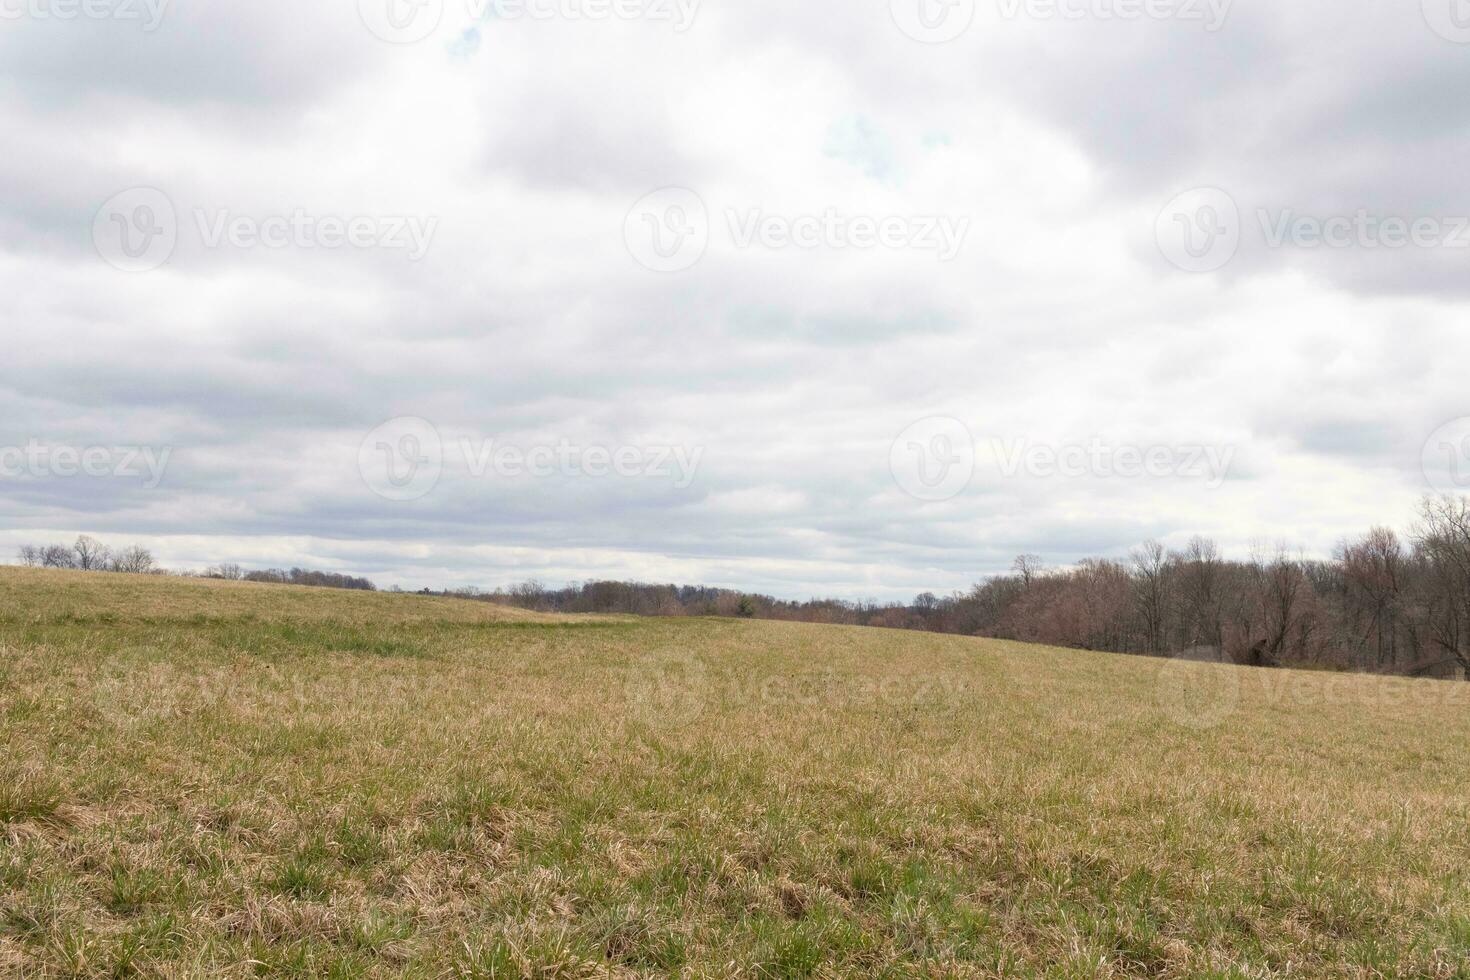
(226, 779)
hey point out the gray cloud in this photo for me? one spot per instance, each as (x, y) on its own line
(791, 369)
(266, 53)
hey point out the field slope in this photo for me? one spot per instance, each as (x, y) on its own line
(212, 779)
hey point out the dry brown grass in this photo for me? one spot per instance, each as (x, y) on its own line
(216, 779)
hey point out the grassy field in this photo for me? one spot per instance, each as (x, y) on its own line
(218, 779)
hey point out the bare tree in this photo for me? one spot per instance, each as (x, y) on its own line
(1280, 619)
(1029, 567)
(57, 556)
(30, 555)
(1443, 544)
(1201, 575)
(89, 554)
(137, 560)
(1102, 587)
(1150, 574)
(1374, 572)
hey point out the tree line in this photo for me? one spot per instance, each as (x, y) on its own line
(1384, 603)
(87, 554)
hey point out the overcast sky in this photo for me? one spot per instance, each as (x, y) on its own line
(825, 298)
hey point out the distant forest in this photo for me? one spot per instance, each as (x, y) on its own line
(1384, 603)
